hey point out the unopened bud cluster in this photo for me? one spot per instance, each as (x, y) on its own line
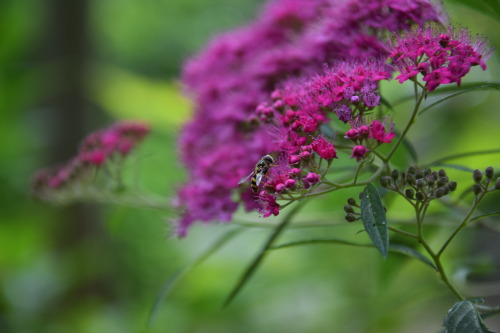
(483, 181)
(419, 184)
(351, 215)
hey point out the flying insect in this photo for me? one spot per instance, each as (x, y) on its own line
(261, 168)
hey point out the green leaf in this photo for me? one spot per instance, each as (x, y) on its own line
(385, 102)
(395, 248)
(462, 155)
(483, 216)
(495, 86)
(177, 276)
(328, 131)
(250, 270)
(455, 166)
(411, 252)
(450, 89)
(411, 150)
(463, 317)
(487, 7)
(374, 220)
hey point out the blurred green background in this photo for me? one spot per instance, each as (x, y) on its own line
(70, 67)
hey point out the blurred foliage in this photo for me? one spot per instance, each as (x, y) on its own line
(61, 273)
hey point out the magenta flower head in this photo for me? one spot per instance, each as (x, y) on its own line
(324, 148)
(379, 133)
(262, 88)
(268, 205)
(441, 58)
(359, 152)
(96, 151)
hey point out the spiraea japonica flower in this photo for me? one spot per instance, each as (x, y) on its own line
(439, 57)
(237, 119)
(97, 150)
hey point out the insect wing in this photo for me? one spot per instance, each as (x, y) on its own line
(258, 178)
(246, 178)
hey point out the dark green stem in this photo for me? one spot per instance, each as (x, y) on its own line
(407, 128)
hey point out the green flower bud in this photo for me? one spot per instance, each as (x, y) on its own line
(410, 179)
(419, 174)
(350, 217)
(352, 202)
(395, 174)
(434, 175)
(477, 175)
(420, 196)
(490, 172)
(385, 181)
(348, 209)
(409, 193)
(412, 170)
(420, 183)
(452, 186)
(442, 181)
(427, 171)
(442, 173)
(439, 192)
(477, 189)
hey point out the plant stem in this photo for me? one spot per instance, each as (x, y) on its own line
(462, 225)
(408, 126)
(420, 211)
(402, 232)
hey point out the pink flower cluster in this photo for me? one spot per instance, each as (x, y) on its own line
(441, 58)
(96, 149)
(235, 123)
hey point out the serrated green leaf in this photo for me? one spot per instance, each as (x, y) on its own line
(463, 317)
(374, 220)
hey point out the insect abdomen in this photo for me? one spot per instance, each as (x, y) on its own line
(254, 185)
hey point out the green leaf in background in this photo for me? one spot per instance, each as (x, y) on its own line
(462, 155)
(395, 248)
(411, 252)
(252, 268)
(478, 86)
(463, 317)
(374, 220)
(487, 7)
(328, 131)
(177, 276)
(125, 94)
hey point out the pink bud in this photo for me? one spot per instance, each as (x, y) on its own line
(276, 94)
(290, 183)
(294, 172)
(293, 159)
(305, 154)
(359, 152)
(312, 178)
(364, 131)
(352, 133)
(280, 187)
